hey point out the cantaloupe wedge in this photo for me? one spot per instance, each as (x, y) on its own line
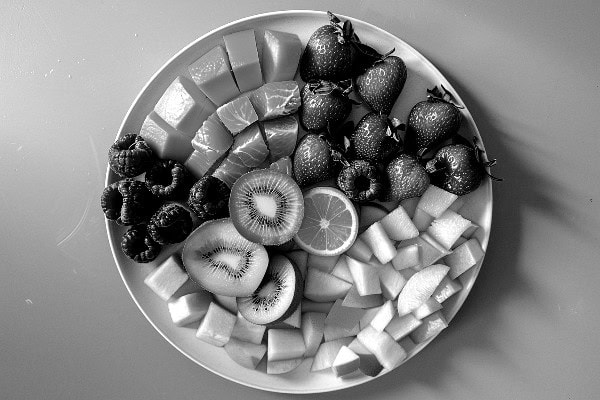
(420, 287)
(346, 362)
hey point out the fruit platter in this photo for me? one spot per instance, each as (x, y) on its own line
(299, 202)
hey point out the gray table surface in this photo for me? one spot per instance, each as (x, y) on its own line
(528, 71)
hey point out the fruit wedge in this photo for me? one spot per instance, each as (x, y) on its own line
(377, 239)
(250, 146)
(391, 281)
(313, 326)
(189, 308)
(282, 366)
(341, 270)
(446, 289)
(230, 169)
(431, 326)
(246, 354)
(369, 214)
(244, 60)
(384, 315)
(448, 228)
(283, 165)
(281, 135)
(322, 287)
(346, 362)
(369, 365)
(327, 352)
(389, 353)
(167, 278)
(463, 257)
(276, 99)
(316, 306)
(354, 299)
(212, 137)
(324, 263)
(342, 316)
(360, 251)
(212, 74)
(285, 344)
(365, 277)
(407, 257)
(435, 201)
(280, 55)
(398, 225)
(247, 331)
(227, 302)
(165, 141)
(430, 306)
(217, 325)
(399, 327)
(237, 115)
(420, 287)
(333, 332)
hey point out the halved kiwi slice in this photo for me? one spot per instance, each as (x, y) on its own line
(266, 206)
(277, 296)
(222, 261)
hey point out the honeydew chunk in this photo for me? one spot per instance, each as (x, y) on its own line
(250, 146)
(294, 319)
(200, 163)
(408, 272)
(343, 317)
(400, 326)
(316, 306)
(285, 344)
(421, 219)
(420, 287)
(280, 56)
(276, 99)
(230, 169)
(435, 201)
(360, 251)
(227, 302)
(341, 270)
(391, 281)
(365, 277)
(431, 326)
(323, 287)
(398, 225)
(384, 315)
(464, 257)
(313, 327)
(189, 308)
(446, 289)
(327, 352)
(245, 354)
(430, 306)
(410, 205)
(368, 362)
(407, 257)
(247, 331)
(212, 135)
(333, 332)
(369, 214)
(167, 278)
(431, 251)
(379, 242)
(387, 351)
(282, 135)
(164, 140)
(354, 299)
(407, 344)
(346, 362)
(368, 316)
(448, 228)
(282, 366)
(217, 325)
(323, 263)
(237, 115)
(212, 74)
(243, 57)
(300, 258)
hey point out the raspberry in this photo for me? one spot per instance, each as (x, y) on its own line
(168, 180)
(138, 245)
(130, 156)
(360, 181)
(128, 202)
(209, 198)
(172, 223)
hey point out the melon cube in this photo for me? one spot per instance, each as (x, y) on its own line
(237, 115)
(398, 225)
(345, 363)
(435, 201)
(184, 106)
(343, 317)
(420, 287)
(244, 60)
(368, 362)
(212, 74)
(368, 316)
(250, 146)
(354, 299)
(285, 344)
(323, 287)
(384, 315)
(327, 352)
(379, 242)
(431, 251)
(446, 288)
(448, 228)
(430, 306)
(227, 302)
(360, 251)
(167, 278)
(313, 327)
(247, 331)
(316, 306)
(341, 270)
(281, 135)
(422, 220)
(333, 332)
(407, 256)
(365, 277)
(164, 140)
(391, 281)
(430, 327)
(217, 325)
(280, 55)
(369, 214)
(401, 326)
(323, 263)
(189, 308)
(282, 366)
(276, 99)
(246, 354)
(212, 135)
(464, 257)
(294, 319)
(230, 169)
(387, 351)
(410, 205)
(200, 163)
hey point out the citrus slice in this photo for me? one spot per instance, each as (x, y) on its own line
(330, 223)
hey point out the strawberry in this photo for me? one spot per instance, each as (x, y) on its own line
(432, 121)
(374, 138)
(313, 162)
(458, 168)
(325, 104)
(406, 178)
(381, 83)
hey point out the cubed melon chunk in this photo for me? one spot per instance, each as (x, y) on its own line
(280, 56)
(282, 135)
(323, 287)
(384, 315)
(243, 57)
(379, 242)
(369, 214)
(167, 278)
(464, 257)
(333, 332)
(368, 362)
(388, 352)
(360, 251)
(217, 325)
(341, 270)
(354, 299)
(430, 251)
(368, 316)
(324, 263)
(448, 228)
(212, 74)
(227, 302)
(407, 256)
(431, 326)
(435, 201)
(420, 287)
(430, 306)
(421, 219)
(410, 205)
(282, 366)
(365, 277)
(183, 106)
(230, 169)
(342, 316)
(200, 163)
(250, 146)
(398, 225)
(247, 331)
(189, 308)
(246, 354)
(401, 326)
(212, 135)
(285, 344)
(316, 306)
(391, 281)
(313, 327)
(164, 140)
(237, 115)
(346, 362)
(327, 352)
(446, 289)
(276, 99)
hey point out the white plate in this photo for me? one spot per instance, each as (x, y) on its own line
(421, 75)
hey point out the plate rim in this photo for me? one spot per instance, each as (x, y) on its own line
(289, 13)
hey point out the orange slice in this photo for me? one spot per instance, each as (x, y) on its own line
(330, 223)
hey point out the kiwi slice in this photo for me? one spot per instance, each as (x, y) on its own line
(222, 261)
(277, 296)
(266, 206)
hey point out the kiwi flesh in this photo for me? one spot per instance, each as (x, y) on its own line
(222, 261)
(277, 296)
(266, 206)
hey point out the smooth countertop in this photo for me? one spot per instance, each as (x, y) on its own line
(528, 72)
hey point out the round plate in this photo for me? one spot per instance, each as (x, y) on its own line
(421, 75)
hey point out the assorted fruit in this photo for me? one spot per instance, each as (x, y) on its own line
(340, 244)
